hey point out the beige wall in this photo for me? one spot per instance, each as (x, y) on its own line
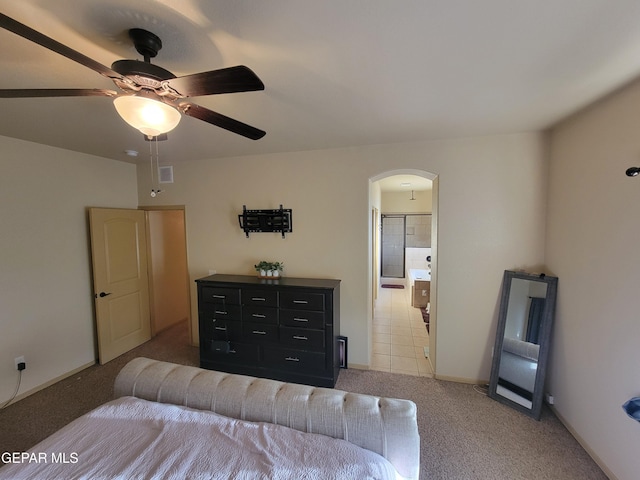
(592, 245)
(492, 198)
(46, 299)
(399, 202)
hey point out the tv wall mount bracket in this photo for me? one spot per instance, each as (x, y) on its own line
(276, 220)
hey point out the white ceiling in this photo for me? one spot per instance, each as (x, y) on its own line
(405, 183)
(338, 73)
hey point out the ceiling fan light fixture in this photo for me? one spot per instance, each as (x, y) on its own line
(147, 115)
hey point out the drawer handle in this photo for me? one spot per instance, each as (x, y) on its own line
(298, 319)
(300, 337)
(224, 329)
(222, 312)
(258, 299)
(232, 351)
(292, 359)
(303, 302)
(259, 332)
(220, 296)
(258, 315)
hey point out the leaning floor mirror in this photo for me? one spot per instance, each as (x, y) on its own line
(523, 339)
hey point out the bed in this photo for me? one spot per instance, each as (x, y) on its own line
(176, 421)
(518, 369)
(519, 363)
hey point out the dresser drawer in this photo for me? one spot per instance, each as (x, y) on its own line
(239, 352)
(221, 312)
(220, 295)
(303, 338)
(222, 330)
(294, 360)
(260, 332)
(302, 301)
(302, 319)
(260, 298)
(260, 314)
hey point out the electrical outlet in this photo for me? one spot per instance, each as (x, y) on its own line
(549, 398)
(18, 361)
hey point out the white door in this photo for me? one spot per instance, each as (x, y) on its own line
(121, 285)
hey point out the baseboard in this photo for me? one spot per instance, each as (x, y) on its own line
(167, 327)
(357, 366)
(447, 378)
(584, 444)
(51, 382)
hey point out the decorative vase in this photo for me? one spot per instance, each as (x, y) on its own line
(276, 273)
(263, 273)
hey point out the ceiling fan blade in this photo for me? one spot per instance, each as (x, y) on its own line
(33, 35)
(219, 120)
(224, 80)
(55, 92)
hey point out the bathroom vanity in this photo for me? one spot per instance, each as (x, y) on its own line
(420, 281)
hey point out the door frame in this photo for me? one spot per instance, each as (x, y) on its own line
(375, 258)
(433, 315)
(149, 208)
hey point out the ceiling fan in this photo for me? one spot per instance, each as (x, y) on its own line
(151, 98)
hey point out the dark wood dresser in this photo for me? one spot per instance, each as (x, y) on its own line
(285, 329)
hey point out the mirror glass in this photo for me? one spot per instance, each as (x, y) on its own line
(522, 340)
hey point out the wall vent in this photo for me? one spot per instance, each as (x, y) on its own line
(165, 174)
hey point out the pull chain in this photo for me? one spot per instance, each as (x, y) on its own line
(154, 191)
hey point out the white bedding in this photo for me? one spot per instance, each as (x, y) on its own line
(130, 438)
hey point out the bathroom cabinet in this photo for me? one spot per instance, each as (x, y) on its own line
(420, 281)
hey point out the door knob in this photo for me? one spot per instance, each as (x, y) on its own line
(103, 294)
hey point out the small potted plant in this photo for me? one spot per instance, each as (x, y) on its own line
(262, 268)
(276, 268)
(269, 269)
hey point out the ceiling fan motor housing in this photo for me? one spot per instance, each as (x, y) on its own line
(142, 74)
(147, 44)
(130, 68)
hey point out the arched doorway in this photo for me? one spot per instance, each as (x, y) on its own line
(403, 200)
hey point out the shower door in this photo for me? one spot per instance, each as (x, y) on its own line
(392, 248)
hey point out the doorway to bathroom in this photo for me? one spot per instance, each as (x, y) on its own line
(403, 204)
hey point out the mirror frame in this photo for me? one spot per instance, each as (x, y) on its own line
(545, 340)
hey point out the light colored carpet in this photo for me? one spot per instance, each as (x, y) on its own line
(464, 434)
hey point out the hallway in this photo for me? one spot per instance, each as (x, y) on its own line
(399, 335)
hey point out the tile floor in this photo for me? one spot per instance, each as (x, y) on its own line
(399, 335)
